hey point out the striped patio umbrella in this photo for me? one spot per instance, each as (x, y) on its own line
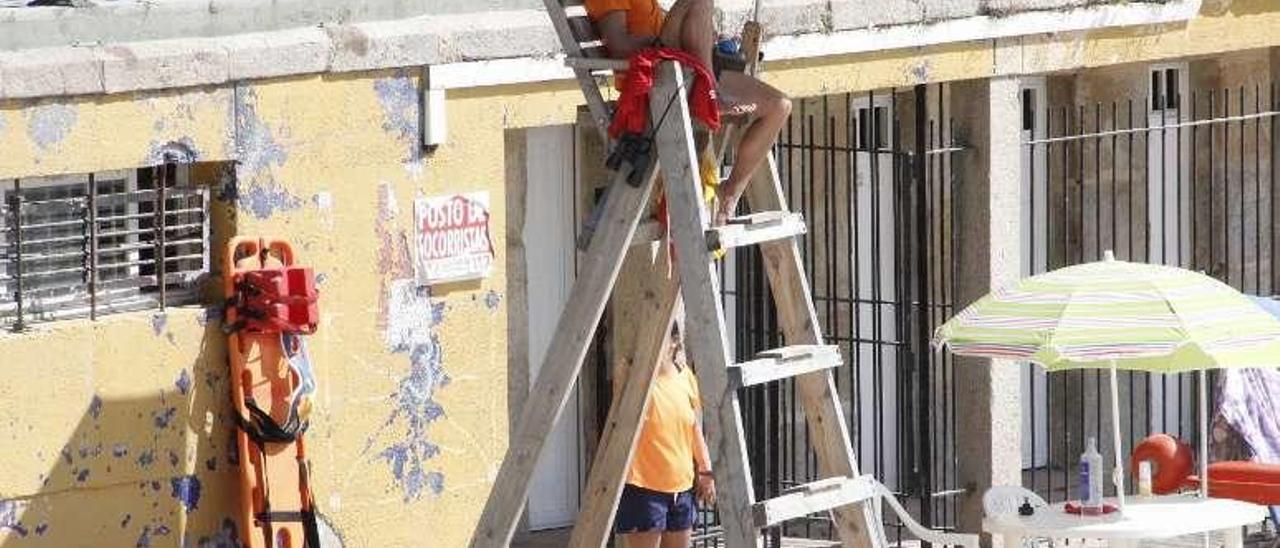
(1118, 315)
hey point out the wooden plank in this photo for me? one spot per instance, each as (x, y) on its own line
(756, 229)
(626, 416)
(818, 496)
(596, 104)
(799, 322)
(788, 362)
(593, 63)
(705, 336)
(574, 332)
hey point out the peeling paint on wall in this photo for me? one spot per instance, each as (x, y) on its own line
(183, 150)
(226, 536)
(256, 144)
(492, 300)
(266, 199)
(183, 384)
(48, 125)
(398, 96)
(186, 489)
(408, 316)
(11, 517)
(411, 317)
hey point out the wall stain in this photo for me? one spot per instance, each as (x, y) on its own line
(186, 489)
(182, 150)
(492, 300)
(398, 96)
(393, 248)
(407, 317)
(226, 536)
(144, 538)
(95, 407)
(266, 199)
(146, 459)
(183, 384)
(410, 321)
(256, 144)
(162, 418)
(159, 322)
(10, 512)
(49, 124)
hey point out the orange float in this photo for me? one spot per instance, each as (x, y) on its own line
(1247, 481)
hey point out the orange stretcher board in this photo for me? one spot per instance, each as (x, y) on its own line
(276, 504)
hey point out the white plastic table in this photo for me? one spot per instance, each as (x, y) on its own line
(1145, 518)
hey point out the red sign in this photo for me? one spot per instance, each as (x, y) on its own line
(452, 238)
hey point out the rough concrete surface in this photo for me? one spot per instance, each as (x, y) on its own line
(107, 21)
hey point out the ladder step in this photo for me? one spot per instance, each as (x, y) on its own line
(754, 229)
(810, 498)
(784, 363)
(596, 63)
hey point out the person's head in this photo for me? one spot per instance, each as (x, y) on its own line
(675, 344)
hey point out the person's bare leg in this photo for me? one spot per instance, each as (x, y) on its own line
(676, 539)
(690, 26)
(771, 109)
(647, 539)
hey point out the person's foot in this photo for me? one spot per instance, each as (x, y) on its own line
(724, 208)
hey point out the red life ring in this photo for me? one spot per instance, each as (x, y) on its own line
(1171, 460)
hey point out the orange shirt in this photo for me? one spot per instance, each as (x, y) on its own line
(664, 453)
(644, 17)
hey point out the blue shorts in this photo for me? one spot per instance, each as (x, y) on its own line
(641, 510)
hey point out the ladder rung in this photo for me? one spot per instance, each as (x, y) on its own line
(754, 229)
(819, 496)
(784, 363)
(596, 63)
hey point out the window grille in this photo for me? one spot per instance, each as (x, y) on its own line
(91, 244)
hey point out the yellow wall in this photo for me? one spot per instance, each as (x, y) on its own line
(102, 446)
(106, 426)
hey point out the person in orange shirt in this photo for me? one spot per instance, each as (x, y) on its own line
(671, 466)
(628, 26)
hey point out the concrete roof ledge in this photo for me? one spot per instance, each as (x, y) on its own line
(511, 46)
(270, 54)
(164, 64)
(51, 71)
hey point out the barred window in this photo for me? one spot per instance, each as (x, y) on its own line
(86, 245)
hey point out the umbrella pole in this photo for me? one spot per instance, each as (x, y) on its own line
(1117, 475)
(1204, 435)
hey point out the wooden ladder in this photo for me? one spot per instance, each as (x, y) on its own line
(843, 492)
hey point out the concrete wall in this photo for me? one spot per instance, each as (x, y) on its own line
(122, 436)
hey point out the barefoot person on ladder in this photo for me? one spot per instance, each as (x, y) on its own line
(628, 26)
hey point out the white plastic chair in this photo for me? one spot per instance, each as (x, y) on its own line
(1002, 500)
(921, 532)
(1005, 500)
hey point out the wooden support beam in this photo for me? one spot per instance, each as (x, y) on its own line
(828, 433)
(655, 312)
(573, 335)
(705, 336)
